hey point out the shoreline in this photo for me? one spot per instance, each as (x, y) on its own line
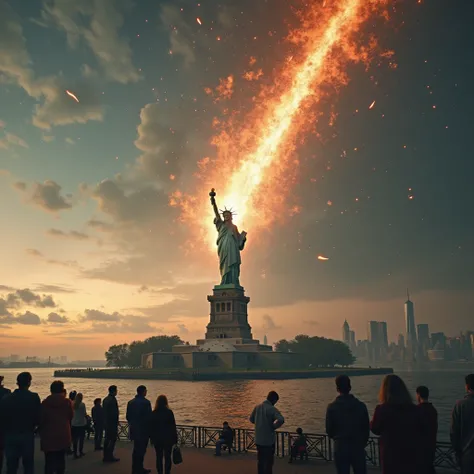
(200, 376)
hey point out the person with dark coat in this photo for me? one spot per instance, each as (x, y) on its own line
(138, 417)
(19, 417)
(55, 428)
(98, 420)
(3, 393)
(226, 438)
(462, 428)
(398, 422)
(163, 433)
(111, 421)
(429, 424)
(347, 423)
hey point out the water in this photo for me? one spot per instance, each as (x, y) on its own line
(302, 402)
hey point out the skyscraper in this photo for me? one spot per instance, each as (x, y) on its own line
(410, 322)
(378, 338)
(424, 339)
(346, 333)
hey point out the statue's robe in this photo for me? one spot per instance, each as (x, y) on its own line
(229, 244)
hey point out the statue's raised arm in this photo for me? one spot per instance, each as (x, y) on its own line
(212, 194)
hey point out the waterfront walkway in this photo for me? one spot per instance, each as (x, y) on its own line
(195, 461)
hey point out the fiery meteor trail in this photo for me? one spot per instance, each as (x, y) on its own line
(70, 94)
(323, 258)
(255, 164)
(371, 106)
(199, 21)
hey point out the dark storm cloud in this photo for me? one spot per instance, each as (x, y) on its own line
(27, 319)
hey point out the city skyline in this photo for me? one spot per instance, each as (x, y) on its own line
(99, 158)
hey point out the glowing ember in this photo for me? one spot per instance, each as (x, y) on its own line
(199, 21)
(371, 106)
(256, 165)
(70, 94)
(323, 258)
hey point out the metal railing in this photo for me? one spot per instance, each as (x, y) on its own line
(319, 446)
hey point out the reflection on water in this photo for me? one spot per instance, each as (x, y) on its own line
(302, 402)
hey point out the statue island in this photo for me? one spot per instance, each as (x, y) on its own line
(228, 342)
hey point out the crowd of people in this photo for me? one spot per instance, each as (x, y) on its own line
(407, 431)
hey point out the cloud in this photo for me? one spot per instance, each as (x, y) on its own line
(54, 289)
(268, 323)
(54, 106)
(9, 140)
(181, 34)
(20, 186)
(27, 297)
(28, 319)
(47, 196)
(57, 318)
(98, 24)
(96, 315)
(100, 225)
(3, 308)
(34, 253)
(183, 330)
(73, 234)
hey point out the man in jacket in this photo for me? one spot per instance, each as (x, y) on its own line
(55, 428)
(429, 423)
(3, 393)
(138, 417)
(462, 428)
(19, 417)
(111, 421)
(267, 419)
(347, 423)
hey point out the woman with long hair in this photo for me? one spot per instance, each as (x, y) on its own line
(78, 426)
(398, 423)
(163, 433)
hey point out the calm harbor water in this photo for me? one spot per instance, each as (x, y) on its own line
(302, 402)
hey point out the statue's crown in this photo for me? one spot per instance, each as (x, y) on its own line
(230, 211)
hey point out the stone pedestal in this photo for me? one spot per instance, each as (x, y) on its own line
(228, 315)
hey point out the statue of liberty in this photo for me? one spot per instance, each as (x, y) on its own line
(229, 244)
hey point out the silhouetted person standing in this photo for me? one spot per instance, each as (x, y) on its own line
(3, 393)
(462, 428)
(347, 423)
(55, 428)
(163, 433)
(98, 419)
(139, 417)
(20, 412)
(267, 419)
(397, 421)
(429, 426)
(111, 421)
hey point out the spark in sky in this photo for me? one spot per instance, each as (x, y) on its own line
(372, 105)
(199, 20)
(70, 94)
(323, 258)
(256, 167)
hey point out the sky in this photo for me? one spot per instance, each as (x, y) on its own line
(94, 251)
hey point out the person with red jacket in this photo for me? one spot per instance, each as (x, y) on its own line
(55, 428)
(398, 422)
(429, 422)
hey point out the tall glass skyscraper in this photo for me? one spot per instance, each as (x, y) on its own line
(410, 321)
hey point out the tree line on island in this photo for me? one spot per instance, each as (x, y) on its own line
(318, 351)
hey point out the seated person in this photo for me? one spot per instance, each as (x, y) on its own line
(226, 438)
(299, 445)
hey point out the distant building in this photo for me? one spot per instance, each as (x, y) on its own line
(410, 322)
(424, 343)
(353, 344)
(378, 340)
(346, 333)
(438, 340)
(466, 347)
(265, 340)
(401, 341)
